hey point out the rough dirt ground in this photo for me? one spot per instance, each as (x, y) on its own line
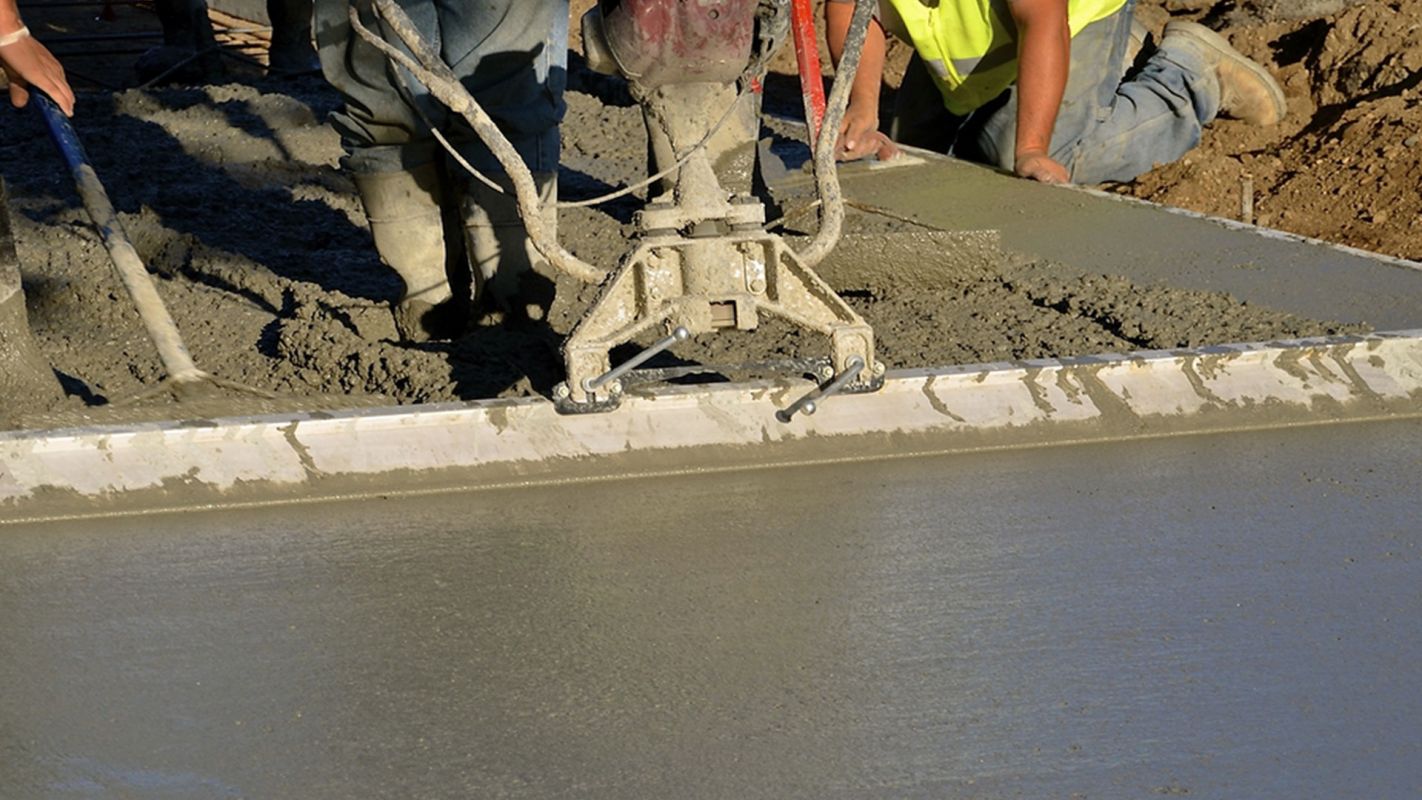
(232, 195)
(1346, 163)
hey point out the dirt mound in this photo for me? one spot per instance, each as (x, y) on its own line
(1346, 163)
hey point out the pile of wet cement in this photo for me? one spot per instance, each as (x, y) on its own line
(233, 197)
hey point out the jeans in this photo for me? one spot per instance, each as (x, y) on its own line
(1108, 129)
(510, 54)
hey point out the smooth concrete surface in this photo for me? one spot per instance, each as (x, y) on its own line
(1145, 243)
(1221, 616)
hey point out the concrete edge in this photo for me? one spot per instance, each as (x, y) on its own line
(1258, 230)
(123, 469)
(919, 155)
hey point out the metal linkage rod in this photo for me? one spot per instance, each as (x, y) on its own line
(593, 384)
(809, 404)
(436, 76)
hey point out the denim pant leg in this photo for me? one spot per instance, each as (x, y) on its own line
(510, 54)
(1155, 118)
(1106, 129)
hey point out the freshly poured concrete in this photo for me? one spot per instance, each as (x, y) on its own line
(1147, 244)
(1228, 616)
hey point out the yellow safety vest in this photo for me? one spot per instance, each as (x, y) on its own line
(970, 46)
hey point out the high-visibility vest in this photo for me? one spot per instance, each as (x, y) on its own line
(970, 46)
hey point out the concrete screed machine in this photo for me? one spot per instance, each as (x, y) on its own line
(702, 261)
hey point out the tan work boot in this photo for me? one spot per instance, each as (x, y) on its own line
(1247, 90)
(506, 264)
(406, 221)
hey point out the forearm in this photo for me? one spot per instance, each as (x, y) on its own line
(9, 17)
(864, 94)
(1043, 58)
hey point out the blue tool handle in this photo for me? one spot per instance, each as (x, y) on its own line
(60, 130)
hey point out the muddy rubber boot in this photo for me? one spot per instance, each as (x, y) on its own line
(406, 221)
(509, 272)
(1247, 91)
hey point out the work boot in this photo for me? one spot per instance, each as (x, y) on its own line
(406, 221)
(506, 265)
(1247, 91)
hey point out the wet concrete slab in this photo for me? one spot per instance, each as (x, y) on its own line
(1146, 243)
(1224, 616)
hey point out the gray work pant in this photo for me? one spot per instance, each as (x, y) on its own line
(1108, 129)
(510, 54)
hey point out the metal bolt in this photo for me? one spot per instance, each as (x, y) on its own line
(757, 285)
(561, 391)
(615, 387)
(880, 368)
(826, 372)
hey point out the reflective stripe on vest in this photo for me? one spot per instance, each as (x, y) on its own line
(970, 46)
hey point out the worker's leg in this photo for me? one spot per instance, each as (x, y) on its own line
(517, 72)
(1107, 130)
(291, 52)
(398, 173)
(187, 32)
(503, 258)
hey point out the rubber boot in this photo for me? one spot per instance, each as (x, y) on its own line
(509, 272)
(406, 221)
(1247, 91)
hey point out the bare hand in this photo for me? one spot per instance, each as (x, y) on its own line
(1039, 166)
(859, 136)
(28, 63)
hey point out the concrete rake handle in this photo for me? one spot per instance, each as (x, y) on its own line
(159, 323)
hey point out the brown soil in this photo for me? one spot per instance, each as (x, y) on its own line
(233, 198)
(1346, 163)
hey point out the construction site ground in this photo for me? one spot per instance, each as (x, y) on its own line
(233, 197)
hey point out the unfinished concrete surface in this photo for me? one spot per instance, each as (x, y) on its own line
(1206, 616)
(232, 196)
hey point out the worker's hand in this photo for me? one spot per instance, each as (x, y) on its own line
(859, 136)
(1039, 166)
(856, 134)
(28, 63)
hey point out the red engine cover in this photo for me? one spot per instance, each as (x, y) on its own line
(660, 42)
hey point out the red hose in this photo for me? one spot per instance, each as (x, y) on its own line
(807, 60)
